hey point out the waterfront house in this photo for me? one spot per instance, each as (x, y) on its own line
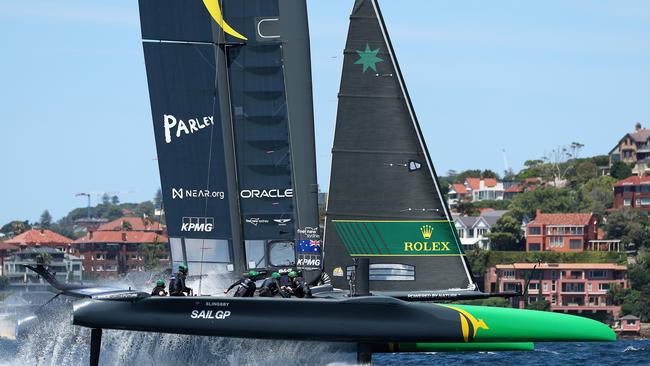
(577, 288)
(473, 230)
(629, 325)
(41, 237)
(632, 192)
(117, 247)
(457, 193)
(475, 189)
(65, 266)
(633, 148)
(566, 232)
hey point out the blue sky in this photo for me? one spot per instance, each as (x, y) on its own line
(484, 76)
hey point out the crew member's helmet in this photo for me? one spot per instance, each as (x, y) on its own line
(182, 268)
(253, 273)
(160, 283)
(293, 274)
(275, 275)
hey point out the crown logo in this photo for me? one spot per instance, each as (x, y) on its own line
(426, 230)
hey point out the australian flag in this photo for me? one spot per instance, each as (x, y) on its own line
(309, 246)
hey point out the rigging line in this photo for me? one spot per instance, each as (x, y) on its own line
(209, 172)
(409, 104)
(297, 217)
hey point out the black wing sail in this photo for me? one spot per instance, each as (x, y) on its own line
(384, 200)
(233, 127)
(195, 164)
(275, 176)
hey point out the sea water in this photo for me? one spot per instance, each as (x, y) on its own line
(130, 348)
(58, 343)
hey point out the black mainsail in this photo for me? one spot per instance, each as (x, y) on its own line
(384, 200)
(230, 89)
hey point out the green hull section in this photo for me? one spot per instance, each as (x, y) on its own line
(493, 324)
(465, 347)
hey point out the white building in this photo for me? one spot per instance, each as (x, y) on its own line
(472, 230)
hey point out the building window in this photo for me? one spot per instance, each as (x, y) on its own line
(509, 273)
(511, 286)
(533, 286)
(480, 232)
(532, 299)
(616, 157)
(545, 287)
(556, 242)
(575, 244)
(627, 202)
(589, 287)
(604, 286)
(554, 299)
(461, 233)
(573, 287)
(638, 202)
(534, 247)
(645, 201)
(534, 230)
(645, 188)
(598, 274)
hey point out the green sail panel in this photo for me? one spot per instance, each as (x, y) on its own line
(397, 238)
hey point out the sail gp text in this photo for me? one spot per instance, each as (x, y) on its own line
(178, 126)
(210, 314)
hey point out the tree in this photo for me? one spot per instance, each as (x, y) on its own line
(487, 173)
(506, 234)
(15, 227)
(126, 226)
(620, 170)
(151, 254)
(547, 199)
(106, 199)
(466, 208)
(558, 159)
(584, 171)
(541, 305)
(596, 195)
(145, 208)
(472, 173)
(46, 219)
(115, 200)
(630, 226)
(158, 199)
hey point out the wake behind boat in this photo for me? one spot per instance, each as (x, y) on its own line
(231, 101)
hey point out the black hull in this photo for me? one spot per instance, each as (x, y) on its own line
(346, 320)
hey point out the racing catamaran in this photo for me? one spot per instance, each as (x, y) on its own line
(230, 92)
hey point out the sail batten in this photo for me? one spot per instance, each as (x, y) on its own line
(384, 200)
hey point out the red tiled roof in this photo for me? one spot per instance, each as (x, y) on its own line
(562, 219)
(473, 183)
(490, 182)
(634, 180)
(38, 237)
(116, 237)
(563, 266)
(515, 188)
(137, 224)
(459, 188)
(641, 135)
